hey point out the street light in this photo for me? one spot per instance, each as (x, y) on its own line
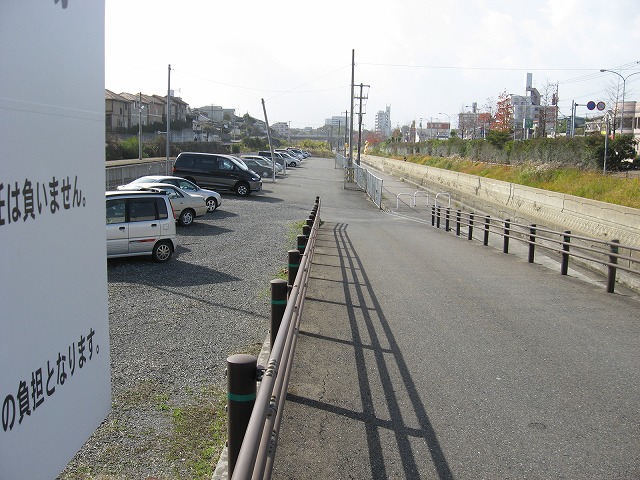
(624, 83)
(449, 117)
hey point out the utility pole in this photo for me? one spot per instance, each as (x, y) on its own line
(273, 158)
(346, 131)
(353, 63)
(361, 97)
(168, 116)
(140, 126)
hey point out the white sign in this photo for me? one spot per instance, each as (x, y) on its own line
(54, 332)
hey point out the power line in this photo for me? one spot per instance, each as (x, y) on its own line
(450, 67)
(277, 92)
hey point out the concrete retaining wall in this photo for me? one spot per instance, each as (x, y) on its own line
(519, 203)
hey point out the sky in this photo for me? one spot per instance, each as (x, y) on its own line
(425, 59)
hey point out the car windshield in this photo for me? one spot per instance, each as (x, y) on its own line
(147, 179)
(187, 185)
(240, 163)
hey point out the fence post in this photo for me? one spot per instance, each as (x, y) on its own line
(613, 258)
(470, 237)
(241, 397)
(294, 263)
(532, 242)
(487, 223)
(302, 243)
(507, 232)
(433, 215)
(437, 217)
(446, 222)
(458, 215)
(306, 230)
(564, 266)
(279, 291)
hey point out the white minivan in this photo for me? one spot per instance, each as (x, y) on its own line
(140, 223)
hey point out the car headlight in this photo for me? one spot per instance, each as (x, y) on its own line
(255, 178)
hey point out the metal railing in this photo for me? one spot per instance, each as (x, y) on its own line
(606, 257)
(254, 420)
(367, 182)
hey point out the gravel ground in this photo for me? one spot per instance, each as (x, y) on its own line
(173, 325)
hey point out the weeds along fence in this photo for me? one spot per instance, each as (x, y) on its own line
(606, 257)
(254, 419)
(355, 174)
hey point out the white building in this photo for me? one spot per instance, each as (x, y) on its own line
(383, 122)
(337, 121)
(281, 129)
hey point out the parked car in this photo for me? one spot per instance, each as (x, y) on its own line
(292, 159)
(185, 207)
(221, 172)
(280, 158)
(211, 198)
(265, 161)
(299, 151)
(297, 155)
(140, 223)
(259, 167)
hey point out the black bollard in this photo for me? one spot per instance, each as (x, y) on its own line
(279, 291)
(301, 244)
(613, 259)
(241, 397)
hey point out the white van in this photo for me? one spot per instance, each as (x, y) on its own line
(140, 223)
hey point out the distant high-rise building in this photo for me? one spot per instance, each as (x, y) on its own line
(337, 121)
(383, 122)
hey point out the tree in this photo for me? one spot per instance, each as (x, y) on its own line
(546, 112)
(613, 89)
(621, 153)
(498, 138)
(503, 118)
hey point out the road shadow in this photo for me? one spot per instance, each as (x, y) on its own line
(392, 417)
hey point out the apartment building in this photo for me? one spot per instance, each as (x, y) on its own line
(126, 110)
(383, 123)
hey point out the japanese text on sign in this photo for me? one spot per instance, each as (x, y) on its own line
(31, 393)
(27, 200)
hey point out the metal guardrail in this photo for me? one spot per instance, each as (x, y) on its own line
(607, 257)
(367, 182)
(254, 420)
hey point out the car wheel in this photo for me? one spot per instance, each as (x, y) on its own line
(243, 189)
(186, 217)
(211, 204)
(162, 251)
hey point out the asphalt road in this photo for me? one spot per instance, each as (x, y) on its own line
(424, 355)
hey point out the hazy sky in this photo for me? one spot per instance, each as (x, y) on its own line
(426, 59)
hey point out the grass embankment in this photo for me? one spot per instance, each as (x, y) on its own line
(586, 184)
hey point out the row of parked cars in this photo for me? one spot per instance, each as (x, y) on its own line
(141, 216)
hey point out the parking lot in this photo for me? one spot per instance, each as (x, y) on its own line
(173, 325)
